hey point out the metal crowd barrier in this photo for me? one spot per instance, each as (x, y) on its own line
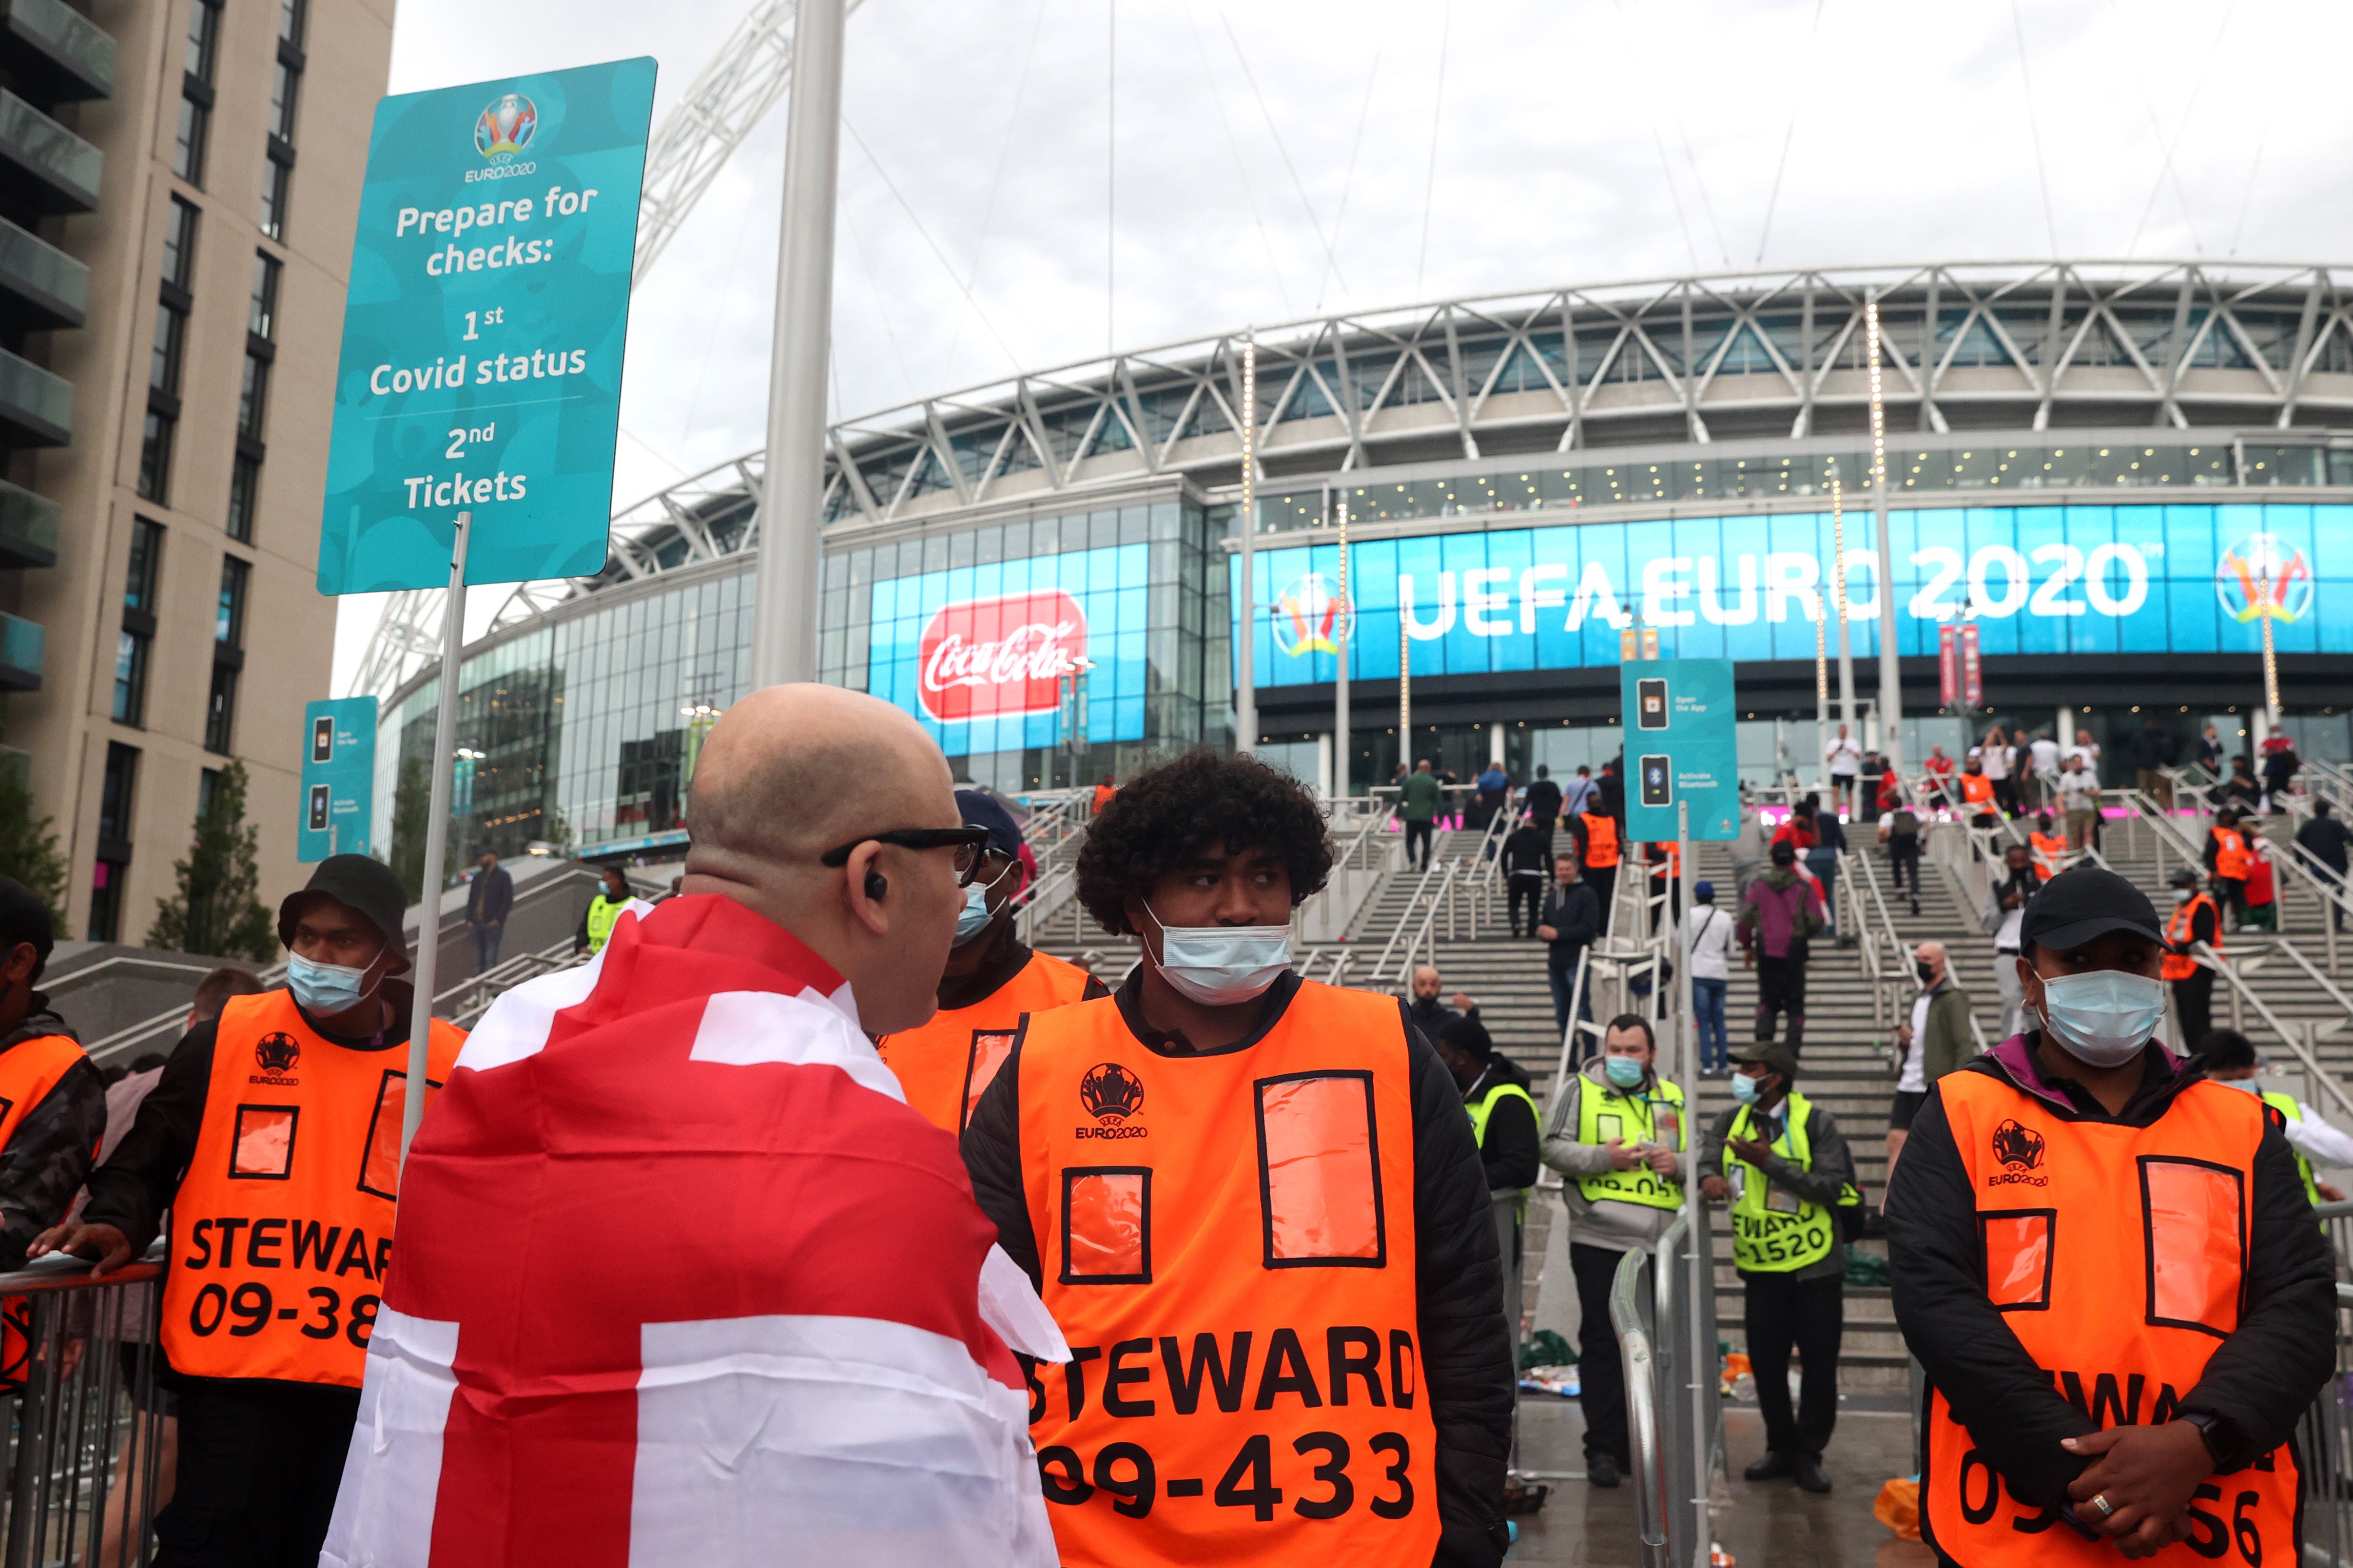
(1664, 1311)
(82, 1414)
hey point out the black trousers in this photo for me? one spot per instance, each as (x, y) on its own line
(1530, 890)
(1413, 831)
(1601, 1375)
(1810, 1315)
(1603, 880)
(1903, 860)
(259, 1464)
(2193, 1005)
(1781, 987)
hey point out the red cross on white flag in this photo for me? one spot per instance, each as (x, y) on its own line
(680, 1278)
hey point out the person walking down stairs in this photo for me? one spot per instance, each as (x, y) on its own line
(1418, 806)
(1777, 920)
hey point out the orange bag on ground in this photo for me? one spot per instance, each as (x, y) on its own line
(1898, 1508)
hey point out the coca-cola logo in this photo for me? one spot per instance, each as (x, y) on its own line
(986, 659)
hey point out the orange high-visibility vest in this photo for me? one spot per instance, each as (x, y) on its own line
(30, 1070)
(282, 1227)
(1600, 839)
(2232, 859)
(2049, 850)
(1672, 868)
(2180, 965)
(1227, 1243)
(945, 1064)
(1975, 788)
(2117, 1255)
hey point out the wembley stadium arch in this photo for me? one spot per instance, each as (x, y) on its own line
(2115, 470)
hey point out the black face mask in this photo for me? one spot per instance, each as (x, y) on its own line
(1928, 976)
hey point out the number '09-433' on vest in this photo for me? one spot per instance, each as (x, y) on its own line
(1227, 1243)
(282, 1227)
(2117, 1255)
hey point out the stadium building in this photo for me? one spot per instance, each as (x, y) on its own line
(2113, 471)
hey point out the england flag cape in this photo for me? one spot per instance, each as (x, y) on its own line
(682, 1279)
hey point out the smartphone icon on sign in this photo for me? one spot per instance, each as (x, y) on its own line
(1655, 788)
(322, 740)
(1651, 703)
(318, 808)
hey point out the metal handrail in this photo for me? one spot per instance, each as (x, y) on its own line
(2292, 1038)
(1443, 872)
(1627, 1317)
(2296, 954)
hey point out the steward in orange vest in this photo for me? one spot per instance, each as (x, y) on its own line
(991, 980)
(273, 1139)
(2108, 1268)
(52, 1107)
(1255, 1207)
(2050, 852)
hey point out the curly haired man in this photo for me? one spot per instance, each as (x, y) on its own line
(1255, 1207)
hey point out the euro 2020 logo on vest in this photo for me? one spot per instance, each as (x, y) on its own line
(1112, 1095)
(276, 1053)
(2020, 1150)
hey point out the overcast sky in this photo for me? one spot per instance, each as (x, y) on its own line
(1027, 182)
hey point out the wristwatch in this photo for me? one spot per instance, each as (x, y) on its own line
(2205, 1424)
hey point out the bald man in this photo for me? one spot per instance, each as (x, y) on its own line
(678, 1262)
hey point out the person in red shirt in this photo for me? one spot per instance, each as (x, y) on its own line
(1799, 830)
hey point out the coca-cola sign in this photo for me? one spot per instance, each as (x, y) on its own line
(989, 658)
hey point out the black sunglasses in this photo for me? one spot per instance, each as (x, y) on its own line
(967, 843)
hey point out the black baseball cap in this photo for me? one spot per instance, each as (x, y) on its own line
(23, 918)
(357, 882)
(979, 810)
(2077, 905)
(1470, 1037)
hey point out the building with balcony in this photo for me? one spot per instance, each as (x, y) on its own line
(171, 302)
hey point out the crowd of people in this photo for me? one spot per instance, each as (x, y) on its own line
(1207, 1262)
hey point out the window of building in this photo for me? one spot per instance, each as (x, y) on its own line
(207, 786)
(115, 801)
(137, 636)
(228, 653)
(260, 352)
(196, 91)
(228, 623)
(164, 360)
(285, 97)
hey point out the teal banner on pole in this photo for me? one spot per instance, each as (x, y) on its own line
(338, 778)
(1680, 746)
(484, 330)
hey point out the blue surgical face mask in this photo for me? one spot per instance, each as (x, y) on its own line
(1626, 1072)
(2243, 1085)
(1744, 1089)
(1220, 965)
(326, 988)
(976, 915)
(2104, 1017)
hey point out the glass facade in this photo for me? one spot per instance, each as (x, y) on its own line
(586, 727)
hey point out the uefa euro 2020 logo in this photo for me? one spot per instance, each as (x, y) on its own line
(1311, 616)
(2263, 574)
(506, 127)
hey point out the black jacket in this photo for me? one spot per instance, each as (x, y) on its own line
(2324, 839)
(47, 1158)
(1466, 1350)
(1509, 1148)
(1574, 913)
(2258, 1384)
(1528, 851)
(1543, 800)
(489, 898)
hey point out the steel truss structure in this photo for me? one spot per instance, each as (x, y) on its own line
(2013, 346)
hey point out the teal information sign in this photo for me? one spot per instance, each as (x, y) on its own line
(484, 330)
(338, 778)
(1680, 746)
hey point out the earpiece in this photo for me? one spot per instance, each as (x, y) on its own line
(876, 886)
